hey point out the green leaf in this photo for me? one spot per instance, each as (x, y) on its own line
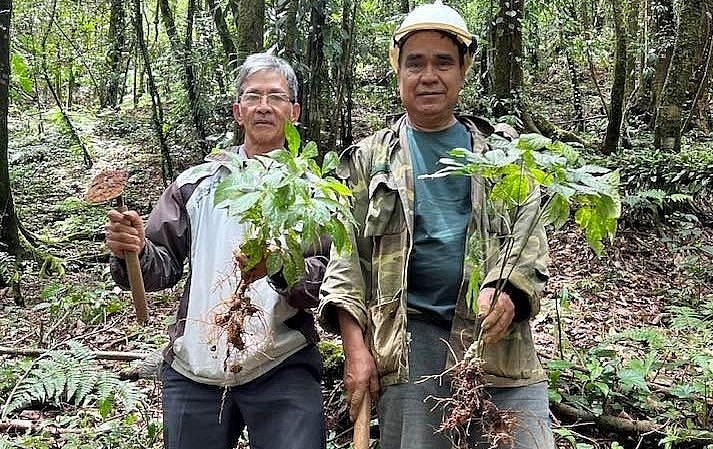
(105, 406)
(513, 189)
(532, 142)
(274, 262)
(20, 72)
(293, 138)
(556, 211)
(243, 202)
(310, 150)
(330, 162)
(282, 156)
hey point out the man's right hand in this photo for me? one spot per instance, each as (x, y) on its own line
(124, 232)
(360, 374)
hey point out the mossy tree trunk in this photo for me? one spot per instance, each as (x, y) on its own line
(664, 31)
(341, 75)
(112, 98)
(250, 23)
(291, 36)
(669, 113)
(616, 108)
(507, 64)
(700, 85)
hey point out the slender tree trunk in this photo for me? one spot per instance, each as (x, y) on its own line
(291, 38)
(616, 108)
(156, 108)
(507, 66)
(669, 113)
(311, 97)
(251, 27)
(182, 55)
(664, 32)
(343, 70)
(699, 116)
(226, 39)
(114, 57)
(576, 93)
(9, 227)
(633, 28)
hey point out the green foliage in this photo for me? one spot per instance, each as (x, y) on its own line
(91, 305)
(71, 376)
(288, 201)
(517, 169)
(333, 361)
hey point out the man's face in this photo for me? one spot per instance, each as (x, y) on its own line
(262, 110)
(430, 78)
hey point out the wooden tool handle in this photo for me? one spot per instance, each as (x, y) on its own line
(136, 281)
(362, 424)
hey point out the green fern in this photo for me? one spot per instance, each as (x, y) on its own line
(651, 336)
(71, 376)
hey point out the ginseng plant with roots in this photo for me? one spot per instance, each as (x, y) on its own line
(287, 201)
(531, 182)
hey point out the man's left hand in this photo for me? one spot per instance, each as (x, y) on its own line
(496, 323)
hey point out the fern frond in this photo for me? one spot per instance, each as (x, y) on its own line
(71, 376)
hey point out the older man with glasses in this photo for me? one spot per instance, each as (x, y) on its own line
(276, 394)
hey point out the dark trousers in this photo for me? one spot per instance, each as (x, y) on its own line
(281, 409)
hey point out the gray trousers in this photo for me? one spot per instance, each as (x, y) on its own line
(407, 420)
(281, 409)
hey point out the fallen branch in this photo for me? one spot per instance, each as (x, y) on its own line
(604, 422)
(102, 355)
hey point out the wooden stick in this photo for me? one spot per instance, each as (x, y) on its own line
(103, 355)
(362, 424)
(136, 281)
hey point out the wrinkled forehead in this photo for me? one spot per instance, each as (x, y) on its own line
(269, 80)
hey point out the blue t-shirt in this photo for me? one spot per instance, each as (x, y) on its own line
(442, 212)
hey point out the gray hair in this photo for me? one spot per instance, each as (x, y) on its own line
(264, 61)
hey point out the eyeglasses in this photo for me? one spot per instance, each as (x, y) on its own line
(273, 99)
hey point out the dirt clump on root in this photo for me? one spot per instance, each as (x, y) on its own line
(240, 309)
(470, 409)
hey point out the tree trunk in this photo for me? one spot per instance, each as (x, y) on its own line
(292, 34)
(251, 27)
(699, 116)
(674, 94)
(664, 31)
(311, 95)
(616, 105)
(112, 97)
(9, 228)
(156, 108)
(182, 55)
(226, 39)
(507, 65)
(343, 70)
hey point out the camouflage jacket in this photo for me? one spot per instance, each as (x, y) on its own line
(370, 283)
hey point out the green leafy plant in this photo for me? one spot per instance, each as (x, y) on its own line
(288, 201)
(517, 169)
(71, 376)
(531, 169)
(92, 305)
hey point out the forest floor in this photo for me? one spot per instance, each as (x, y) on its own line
(589, 301)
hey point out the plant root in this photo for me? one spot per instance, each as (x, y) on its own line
(470, 405)
(240, 310)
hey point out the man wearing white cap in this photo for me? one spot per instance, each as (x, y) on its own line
(400, 295)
